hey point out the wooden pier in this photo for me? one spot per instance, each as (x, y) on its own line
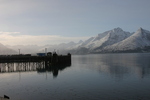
(27, 63)
(49, 59)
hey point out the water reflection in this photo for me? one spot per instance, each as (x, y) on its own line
(91, 77)
(118, 65)
(40, 67)
(54, 69)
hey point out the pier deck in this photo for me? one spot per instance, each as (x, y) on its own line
(49, 59)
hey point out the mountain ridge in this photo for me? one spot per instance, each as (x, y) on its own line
(5, 50)
(117, 40)
(138, 40)
(111, 41)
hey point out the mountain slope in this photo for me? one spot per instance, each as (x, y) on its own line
(140, 40)
(25, 49)
(102, 40)
(113, 36)
(115, 40)
(4, 50)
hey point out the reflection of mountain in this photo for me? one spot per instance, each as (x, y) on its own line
(127, 63)
(31, 66)
(118, 65)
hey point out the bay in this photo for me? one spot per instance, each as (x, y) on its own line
(90, 77)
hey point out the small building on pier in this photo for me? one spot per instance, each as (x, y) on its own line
(41, 54)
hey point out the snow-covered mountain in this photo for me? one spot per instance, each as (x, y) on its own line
(32, 49)
(102, 40)
(62, 48)
(4, 50)
(108, 38)
(25, 49)
(115, 40)
(140, 40)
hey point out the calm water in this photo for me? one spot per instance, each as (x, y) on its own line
(90, 77)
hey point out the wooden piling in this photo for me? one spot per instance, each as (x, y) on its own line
(50, 59)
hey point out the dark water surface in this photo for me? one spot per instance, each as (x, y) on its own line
(90, 77)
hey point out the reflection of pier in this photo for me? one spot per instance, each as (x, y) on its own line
(31, 66)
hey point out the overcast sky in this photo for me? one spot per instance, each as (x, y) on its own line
(55, 21)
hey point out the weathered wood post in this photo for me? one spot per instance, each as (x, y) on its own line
(54, 58)
(69, 58)
(48, 59)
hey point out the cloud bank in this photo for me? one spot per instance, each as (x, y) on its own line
(15, 38)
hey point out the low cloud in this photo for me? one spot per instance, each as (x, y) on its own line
(15, 38)
(8, 33)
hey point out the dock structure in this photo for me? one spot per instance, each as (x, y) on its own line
(49, 59)
(25, 63)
